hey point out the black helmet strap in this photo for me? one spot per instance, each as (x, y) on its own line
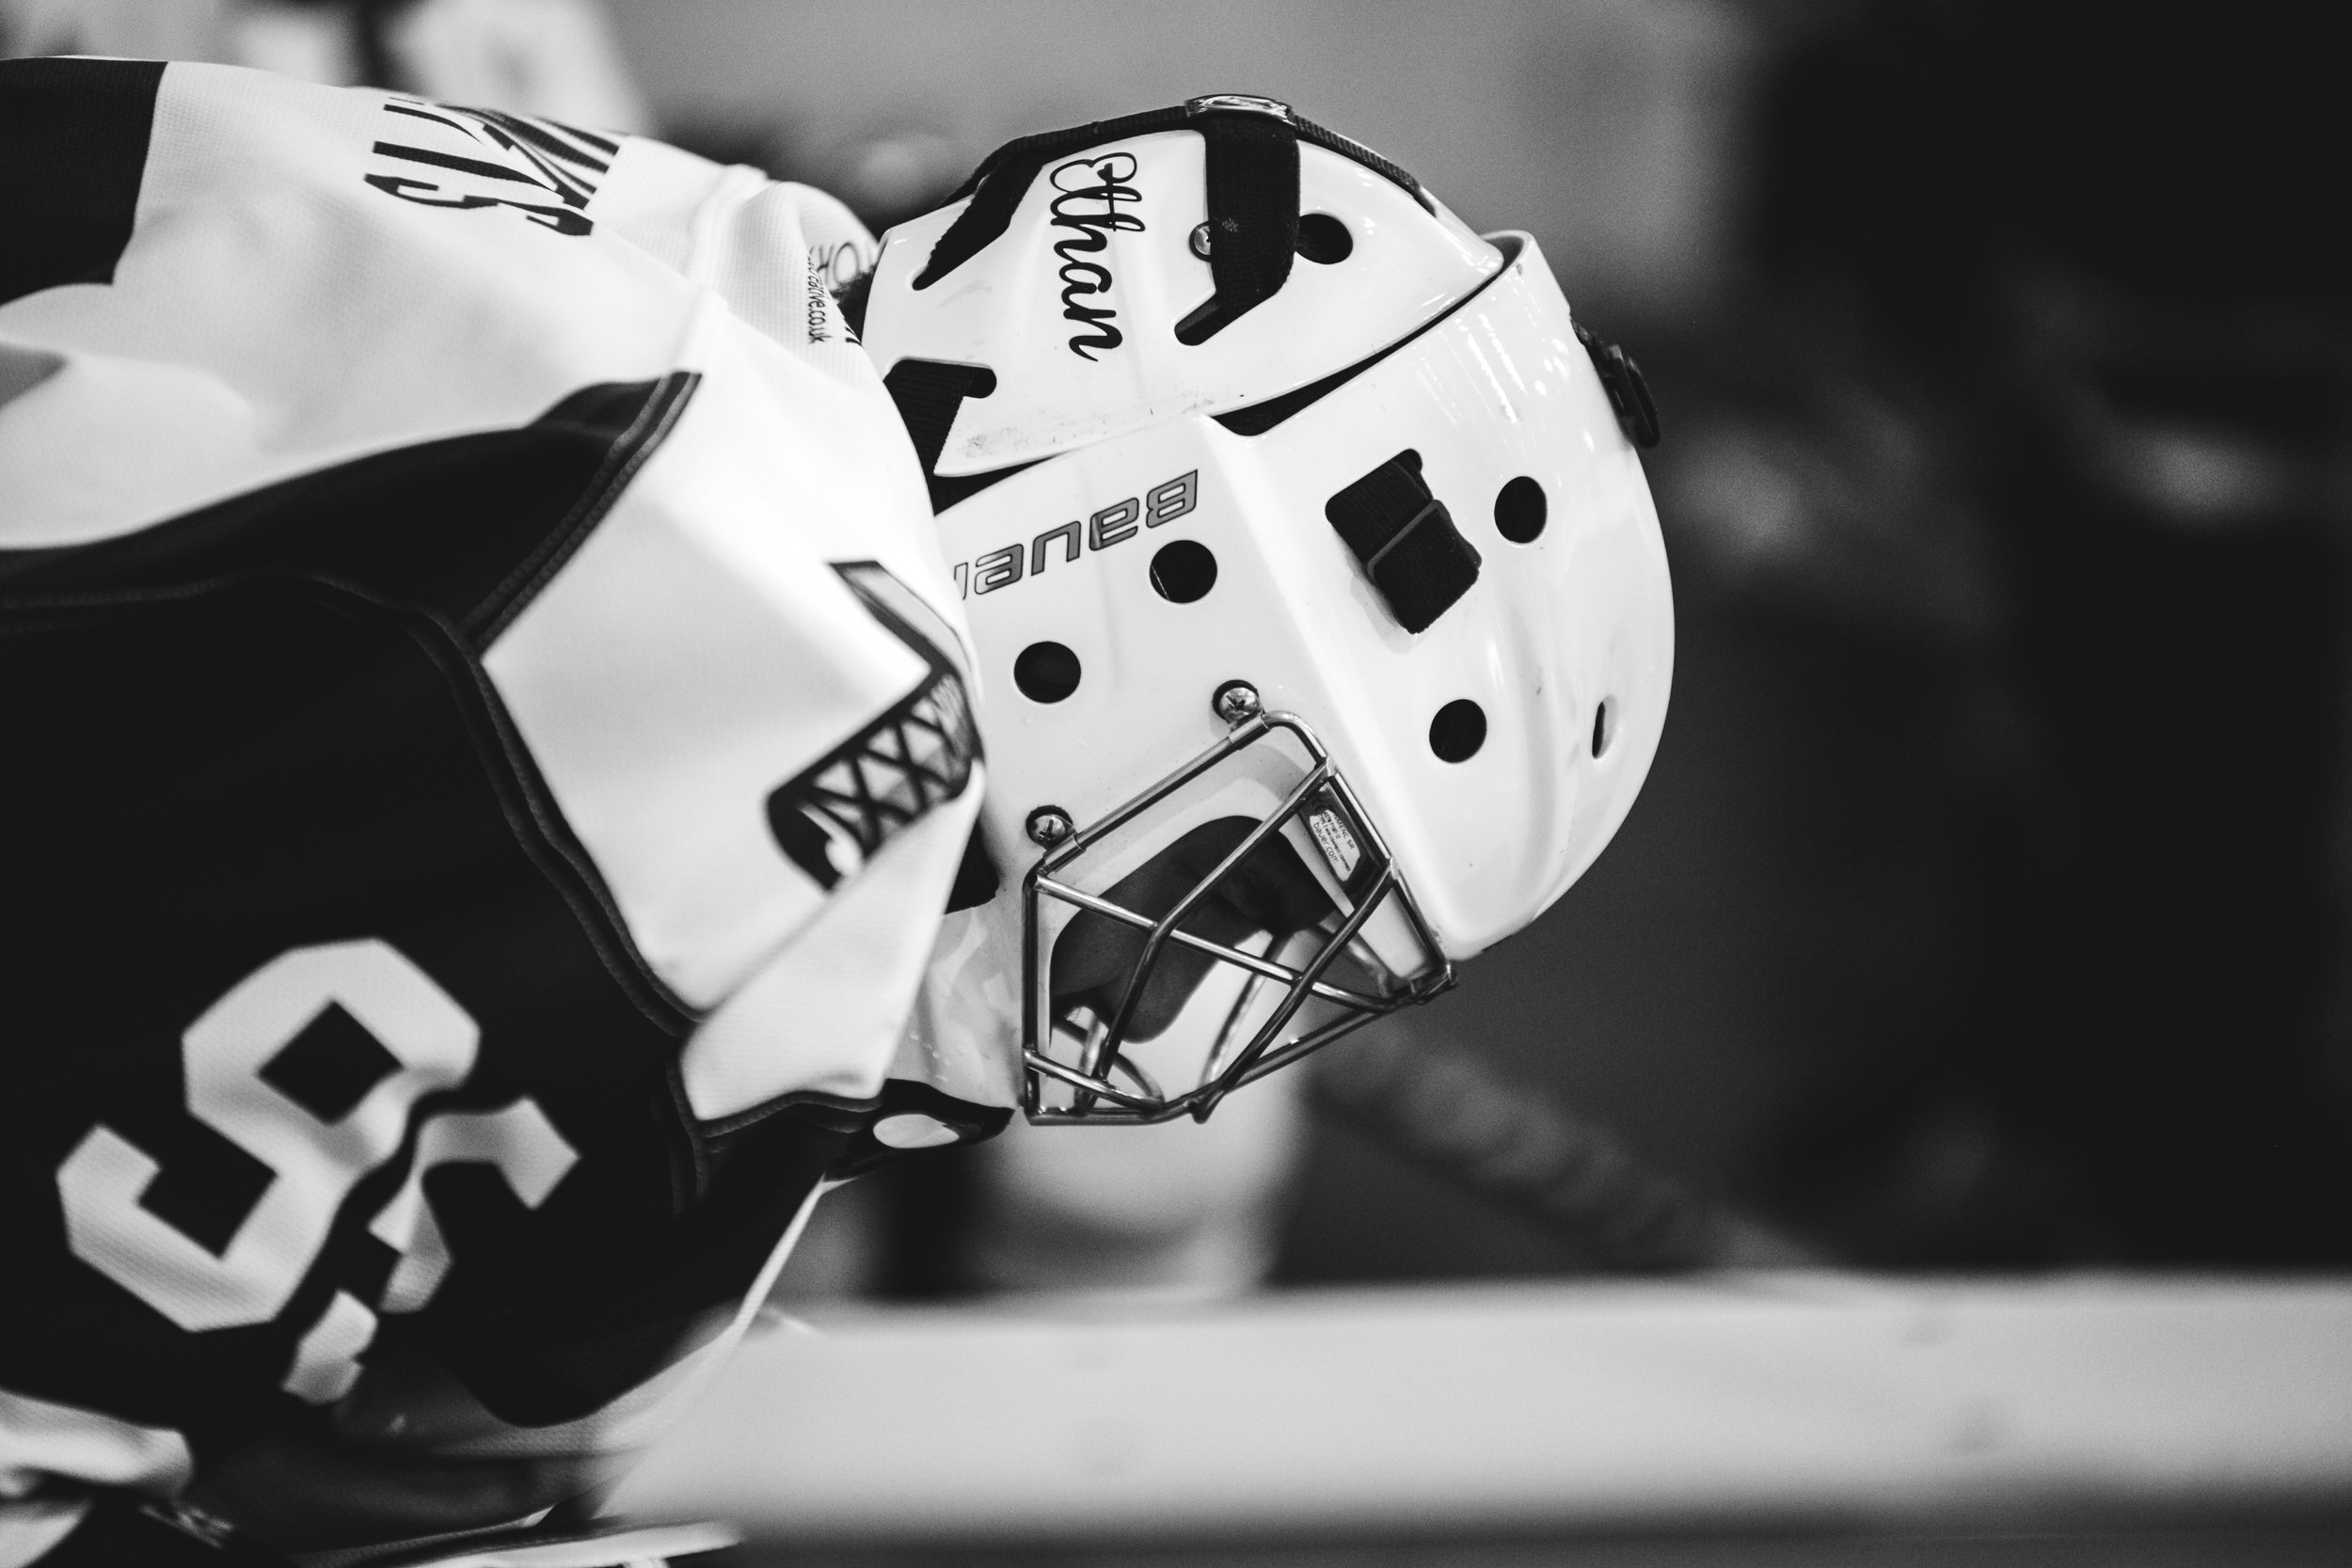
(1253, 217)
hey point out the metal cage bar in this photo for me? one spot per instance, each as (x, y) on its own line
(1095, 1098)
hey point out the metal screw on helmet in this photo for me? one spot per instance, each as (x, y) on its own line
(1049, 826)
(1236, 702)
(1200, 241)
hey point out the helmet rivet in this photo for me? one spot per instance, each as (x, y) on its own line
(1049, 826)
(1200, 241)
(1236, 702)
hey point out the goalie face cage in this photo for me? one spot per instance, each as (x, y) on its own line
(1098, 1057)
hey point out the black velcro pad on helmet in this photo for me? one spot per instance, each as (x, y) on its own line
(1406, 540)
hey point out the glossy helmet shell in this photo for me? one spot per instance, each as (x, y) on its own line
(1494, 711)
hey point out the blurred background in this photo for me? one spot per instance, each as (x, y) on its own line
(1984, 907)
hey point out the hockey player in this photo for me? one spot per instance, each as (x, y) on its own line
(511, 797)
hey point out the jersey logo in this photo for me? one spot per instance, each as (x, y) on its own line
(832, 269)
(837, 815)
(546, 171)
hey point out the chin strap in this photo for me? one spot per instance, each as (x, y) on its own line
(1251, 235)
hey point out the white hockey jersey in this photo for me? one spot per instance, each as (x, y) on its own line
(488, 747)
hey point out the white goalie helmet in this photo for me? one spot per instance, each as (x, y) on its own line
(1322, 620)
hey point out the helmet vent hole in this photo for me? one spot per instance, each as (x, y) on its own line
(1046, 671)
(1604, 729)
(1458, 731)
(1519, 511)
(1323, 239)
(1183, 571)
